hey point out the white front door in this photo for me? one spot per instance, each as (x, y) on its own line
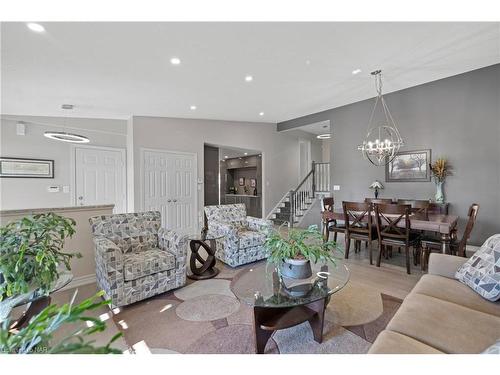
(100, 177)
(169, 186)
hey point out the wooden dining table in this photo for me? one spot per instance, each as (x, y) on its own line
(444, 226)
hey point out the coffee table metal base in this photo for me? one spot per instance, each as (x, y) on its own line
(268, 320)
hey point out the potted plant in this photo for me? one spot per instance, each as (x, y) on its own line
(31, 253)
(37, 337)
(440, 169)
(293, 252)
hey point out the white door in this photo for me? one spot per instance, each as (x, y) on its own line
(305, 163)
(100, 177)
(169, 186)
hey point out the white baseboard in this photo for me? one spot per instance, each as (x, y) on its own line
(80, 280)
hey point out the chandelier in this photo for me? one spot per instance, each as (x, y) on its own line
(383, 141)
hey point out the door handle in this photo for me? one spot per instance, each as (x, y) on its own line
(175, 200)
(169, 200)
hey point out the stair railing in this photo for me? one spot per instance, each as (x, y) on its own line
(316, 181)
(322, 177)
(301, 196)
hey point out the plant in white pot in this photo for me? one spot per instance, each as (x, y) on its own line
(293, 252)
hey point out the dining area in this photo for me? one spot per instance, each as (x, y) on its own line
(384, 226)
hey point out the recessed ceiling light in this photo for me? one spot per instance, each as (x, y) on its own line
(356, 71)
(308, 62)
(193, 108)
(245, 153)
(248, 78)
(175, 61)
(261, 113)
(226, 156)
(36, 27)
(324, 136)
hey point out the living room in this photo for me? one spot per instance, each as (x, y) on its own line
(260, 187)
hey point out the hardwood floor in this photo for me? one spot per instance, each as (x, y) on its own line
(390, 278)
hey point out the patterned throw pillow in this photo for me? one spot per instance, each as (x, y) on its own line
(482, 271)
(493, 349)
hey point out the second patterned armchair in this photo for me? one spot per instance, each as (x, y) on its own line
(243, 236)
(136, 258)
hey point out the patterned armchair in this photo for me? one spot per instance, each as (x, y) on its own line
(243, 236)
(136, 258)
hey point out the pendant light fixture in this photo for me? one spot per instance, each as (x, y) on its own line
(65, 136)
(382, 141)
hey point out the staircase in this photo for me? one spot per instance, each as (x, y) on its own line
(295, 204)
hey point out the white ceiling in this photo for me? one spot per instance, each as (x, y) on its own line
(115, 70)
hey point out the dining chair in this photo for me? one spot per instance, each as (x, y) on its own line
(358, 226)
(378, 200)
(387, 218)
(457, 246)
(332, 225)
(417, 206)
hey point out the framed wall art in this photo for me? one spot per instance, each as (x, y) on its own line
(409, 166)
(26, 168)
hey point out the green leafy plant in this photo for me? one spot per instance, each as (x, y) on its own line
(37, 336)
(30, 253)
(299, 244)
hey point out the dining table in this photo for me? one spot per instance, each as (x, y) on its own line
(444, 226)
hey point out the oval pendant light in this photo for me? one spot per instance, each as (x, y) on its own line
(65, 136)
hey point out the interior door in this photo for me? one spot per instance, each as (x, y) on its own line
(170, 187)
(100, 177)
(305, 162)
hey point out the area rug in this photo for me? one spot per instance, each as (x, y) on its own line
(205, 317)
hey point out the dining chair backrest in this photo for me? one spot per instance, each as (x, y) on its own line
(358, 217)
(417, 206)
(387, 218)
(328, 204)
(473, 210)
(378, 200)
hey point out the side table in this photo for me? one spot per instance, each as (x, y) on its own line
(207, 269)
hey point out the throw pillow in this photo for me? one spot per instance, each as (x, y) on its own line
(482, 271)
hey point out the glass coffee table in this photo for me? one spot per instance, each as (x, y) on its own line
(280, 303)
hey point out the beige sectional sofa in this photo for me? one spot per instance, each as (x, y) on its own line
(441, 315)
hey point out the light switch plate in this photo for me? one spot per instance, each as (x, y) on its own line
(336, 187)
(65, 189)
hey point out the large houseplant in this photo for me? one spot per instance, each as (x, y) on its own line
(31, 253)
(38, 336)
(293, 252)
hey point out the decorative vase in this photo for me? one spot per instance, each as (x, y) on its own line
(439, 192)
(296, 268)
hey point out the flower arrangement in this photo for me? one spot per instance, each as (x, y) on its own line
(440, 169)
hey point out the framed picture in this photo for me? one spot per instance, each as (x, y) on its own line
(241, 181)
(409, 166)
(26, 168)
(253, 182)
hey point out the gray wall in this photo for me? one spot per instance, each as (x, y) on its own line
(456, 117)
(280, 156)
(18, 193)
